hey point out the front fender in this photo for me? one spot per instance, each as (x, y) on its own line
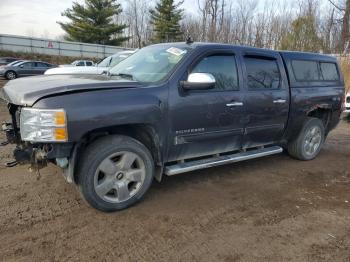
(87, 111)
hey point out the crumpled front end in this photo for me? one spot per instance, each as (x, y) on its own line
(38, 155)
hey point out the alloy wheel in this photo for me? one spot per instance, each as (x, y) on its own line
(313, 140)
(11, 75)
(119, 177)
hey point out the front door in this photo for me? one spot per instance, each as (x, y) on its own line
(266, 100)
(26, 69)
(208, 122)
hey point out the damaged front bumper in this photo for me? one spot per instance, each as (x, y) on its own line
(38, 155)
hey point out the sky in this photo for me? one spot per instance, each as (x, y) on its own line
(38, 18)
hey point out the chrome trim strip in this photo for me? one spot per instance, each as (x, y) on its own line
(235, 104)
(199, 137)
(279, 101)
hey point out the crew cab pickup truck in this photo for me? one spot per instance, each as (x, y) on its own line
(173, 108)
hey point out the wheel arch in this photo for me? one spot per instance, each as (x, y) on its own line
(322, 112)
(146, 134)
(298, 119)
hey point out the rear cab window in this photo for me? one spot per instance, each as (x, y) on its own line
(329, 71)
(312, 70)
(306, 70)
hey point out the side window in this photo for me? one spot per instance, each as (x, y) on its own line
(329, 71)
(306, 70)
(223, 68)
(88, 63)
(41, 64)
(262, 73)
(80, 63)
(27, 65)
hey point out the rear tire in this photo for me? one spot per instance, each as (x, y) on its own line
(307, 145)
(115, 173)
(10, 75)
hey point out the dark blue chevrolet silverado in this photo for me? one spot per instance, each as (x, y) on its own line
(169, 109)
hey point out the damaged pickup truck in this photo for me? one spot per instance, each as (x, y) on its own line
(170, 109)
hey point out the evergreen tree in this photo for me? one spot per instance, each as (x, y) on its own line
(165, 18)
(93, 22)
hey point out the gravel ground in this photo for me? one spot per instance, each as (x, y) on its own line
(271, 209)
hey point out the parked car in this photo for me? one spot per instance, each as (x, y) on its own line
(99, 69)
(24, 68)
(80, 63)
(7, 60)
(173, 108)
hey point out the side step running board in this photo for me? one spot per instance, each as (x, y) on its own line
(221, 160)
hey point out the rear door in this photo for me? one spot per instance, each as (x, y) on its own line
(41, 68)
(266, 100)
(207, 122)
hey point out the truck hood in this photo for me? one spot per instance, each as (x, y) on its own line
(27, 91)
(94, 70)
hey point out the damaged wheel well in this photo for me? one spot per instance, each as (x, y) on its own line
(324, 114)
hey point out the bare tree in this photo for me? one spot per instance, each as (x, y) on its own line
(344, 38)
(263, 24)
(137, 16)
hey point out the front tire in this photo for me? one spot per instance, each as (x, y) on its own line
(10, 75)
(115, 173)
(307, 145)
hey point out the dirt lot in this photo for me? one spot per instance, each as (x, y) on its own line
(271, 209)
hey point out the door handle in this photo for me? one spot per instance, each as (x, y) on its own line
(279, 101)
(232, 104)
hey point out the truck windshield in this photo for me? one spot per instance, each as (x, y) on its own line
(150, 64)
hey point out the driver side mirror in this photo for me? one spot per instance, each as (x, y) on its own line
(21, 66)
(199, 81)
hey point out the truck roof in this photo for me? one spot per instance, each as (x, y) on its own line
(308, 56)
(285, 54)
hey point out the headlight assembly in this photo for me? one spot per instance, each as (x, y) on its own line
(43, 125)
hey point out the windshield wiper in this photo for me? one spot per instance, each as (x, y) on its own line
(124, 75)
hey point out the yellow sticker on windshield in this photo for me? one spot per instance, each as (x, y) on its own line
(176, 51)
